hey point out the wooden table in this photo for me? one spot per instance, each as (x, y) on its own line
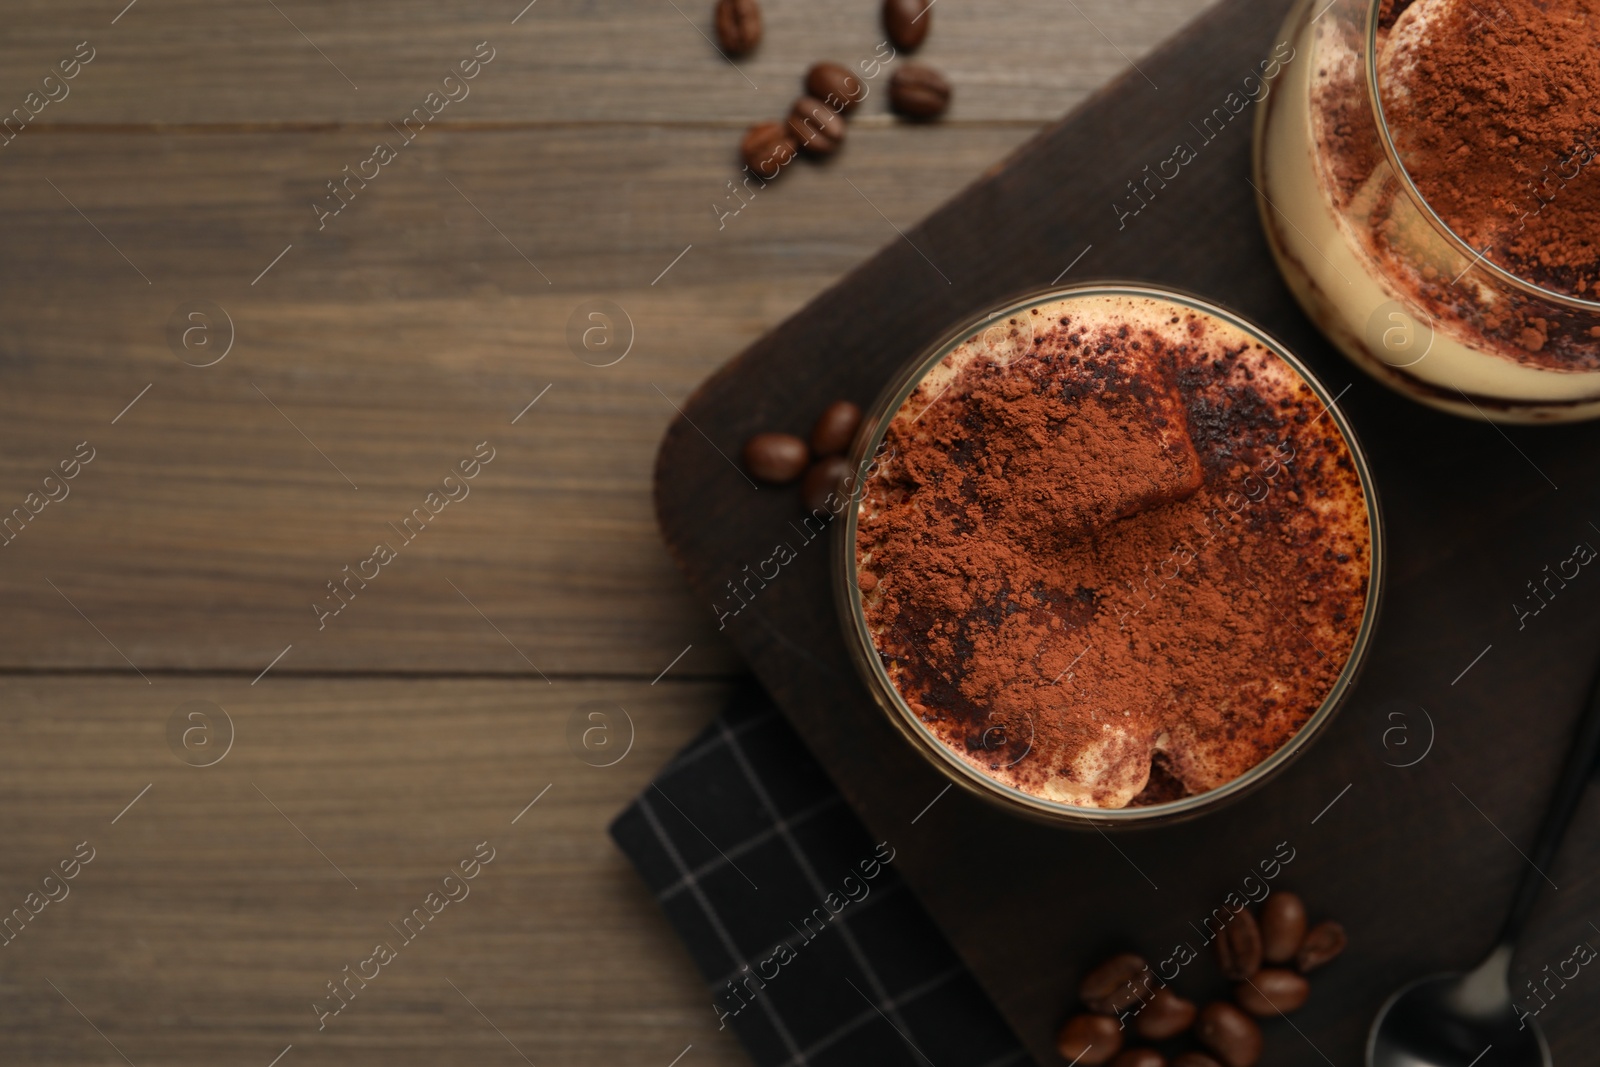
(373, 749)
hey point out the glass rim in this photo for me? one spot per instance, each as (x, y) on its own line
(864, 649)
(1392, 154)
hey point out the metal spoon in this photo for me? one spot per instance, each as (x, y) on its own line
(1467, 1020)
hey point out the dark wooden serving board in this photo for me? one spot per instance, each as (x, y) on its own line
(1417, 861)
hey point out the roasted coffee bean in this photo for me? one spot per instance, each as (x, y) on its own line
(907, 21)
(835, 428)
(918, 91)
(1194, 1059)
(1325, 941)
(1283, 927)
(823, 490)
(767, 147)
(775, 457)
(1231, 1034)
(1139, 1057)
(816, 126)
(738, 25)
(1272, 991)
(1116, 984)
(1089, 1039)
(834, 85)
(1164, 1015)
(1239, 947)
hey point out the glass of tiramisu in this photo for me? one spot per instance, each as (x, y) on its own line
(1427, 176)
(1113, 556)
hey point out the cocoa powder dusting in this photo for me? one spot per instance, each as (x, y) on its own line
(1123, 568)
(1493, 109)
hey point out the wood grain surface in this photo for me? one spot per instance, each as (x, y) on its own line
(369, 357)
(561, 62)
(216, 908)
(1407, 820)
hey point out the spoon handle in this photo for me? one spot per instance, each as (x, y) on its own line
(1575, 774)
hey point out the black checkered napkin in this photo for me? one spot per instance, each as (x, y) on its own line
(814, 950)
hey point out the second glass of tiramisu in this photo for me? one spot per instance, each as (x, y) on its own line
(1428, 182)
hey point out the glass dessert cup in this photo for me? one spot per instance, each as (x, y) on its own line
(1378, 270)
(1007, 337)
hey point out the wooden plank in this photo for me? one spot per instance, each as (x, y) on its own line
(1417, 861)
(395, 341)
(563, 61)
(206, 925)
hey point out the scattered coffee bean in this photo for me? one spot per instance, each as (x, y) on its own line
(834, 85)
(835, 428)
(767, 147)
(907, 21)
(816, 126)
(919, 92)
(1124, 994)
(1114, 985)
(1325, 941)
(1229, 1033)
(775, 457)
(1273, 991)
(1164, 1015)
(1283, 926)
(738, 25)
(1239, 947)
(1089, 1039)
(823, 489)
